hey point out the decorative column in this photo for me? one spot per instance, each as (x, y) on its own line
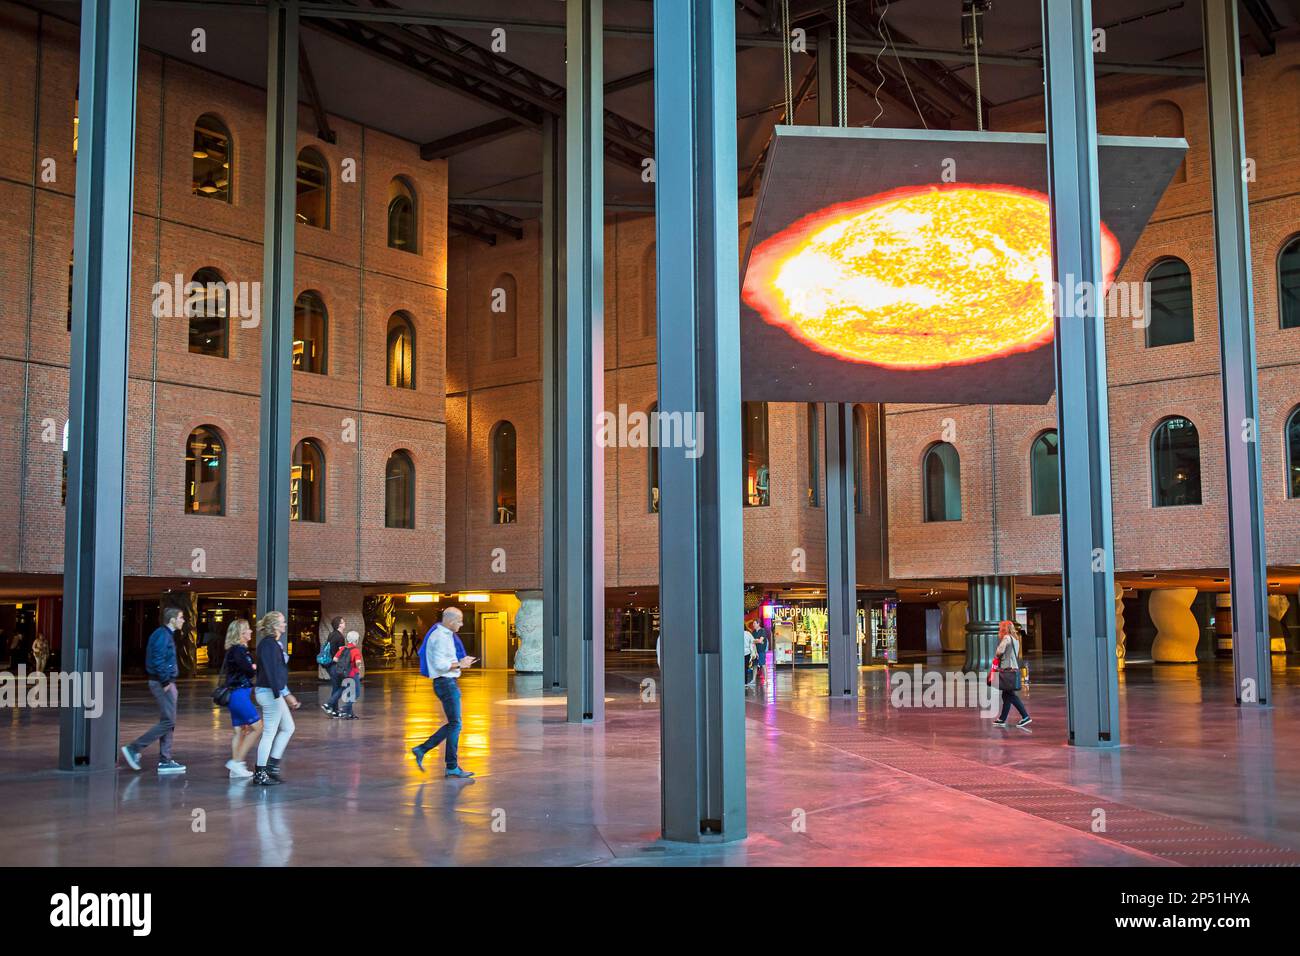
(1278, 605)
(952, 625)
(1177, 632)
(1120, 636)
(992, 601)
(186, 639)
(529, 626)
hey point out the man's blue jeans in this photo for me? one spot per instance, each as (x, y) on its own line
(448, 691)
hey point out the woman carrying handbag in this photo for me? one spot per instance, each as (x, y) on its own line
(1007, 674)
(236, 686)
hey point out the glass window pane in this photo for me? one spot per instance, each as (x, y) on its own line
(313, 199)
(1044, 476)
(754, 454)
(399, 492)
(207, 306)
(1169, 304)
(309, 334)
(1288, 284)
(942, 489)
(205, 473)
(212, 159)
(504, 502)
(1176, 464)
(814, 458)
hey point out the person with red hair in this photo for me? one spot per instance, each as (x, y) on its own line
(1008, 659)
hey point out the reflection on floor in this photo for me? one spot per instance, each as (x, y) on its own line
(1198, 781)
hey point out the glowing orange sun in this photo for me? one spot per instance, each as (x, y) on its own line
(920, 277)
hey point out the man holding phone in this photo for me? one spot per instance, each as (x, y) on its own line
(443, 659)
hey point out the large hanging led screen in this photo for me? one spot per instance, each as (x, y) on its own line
(916, 266)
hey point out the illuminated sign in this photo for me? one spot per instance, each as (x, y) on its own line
(916, 265)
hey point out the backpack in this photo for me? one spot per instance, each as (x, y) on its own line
(424, 661)
(326, 655)
(341, 666)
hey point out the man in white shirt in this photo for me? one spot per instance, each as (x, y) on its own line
(444, 662)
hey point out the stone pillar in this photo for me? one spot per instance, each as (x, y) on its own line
(187, 642)
(1120, 636)
(1278, 605)
(345, 600)
(992, 600)
(528, 626)
(1177, 632)
(952, 625)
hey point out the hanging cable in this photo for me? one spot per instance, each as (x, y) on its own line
(785, 62)
(875, 94)
(975, 40)
(841, 63)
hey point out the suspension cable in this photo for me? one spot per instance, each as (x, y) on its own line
(975, 39)
(785, 62)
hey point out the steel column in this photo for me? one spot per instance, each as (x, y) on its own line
(837, 419)
(552, 280)
(991, 599)
(841, 555)
(582, 544)
(1082, 407)
(275, 451)
(702, 752)
(101, 311)
(1248, 568)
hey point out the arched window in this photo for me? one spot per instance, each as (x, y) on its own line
(1044, 475)
(401, 351)
(1288, 283)
(205, 472)
(307, 482)
(860, 452)
(753, 440)
(399, 491)
(504, 329)
(310, 333)
(1164, 118)
(1175, 463)
(1169, 303)
(649, 294)
(1292, 453)
(313, 189)
(401, 215)
(504, 502)
(941, 470)
(814, 459)
(213, 158)
(654, 461)
(207, 307)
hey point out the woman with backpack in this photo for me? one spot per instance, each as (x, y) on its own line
(1007, 657)
(346, 673)
(239, 672)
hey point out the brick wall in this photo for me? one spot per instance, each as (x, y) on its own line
(351, 412)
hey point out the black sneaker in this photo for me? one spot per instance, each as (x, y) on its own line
(329, 710)
(170, 766)
(1026, 722)
(263, 779)
(349, 716)
(999, 723)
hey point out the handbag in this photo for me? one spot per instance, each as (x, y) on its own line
(221, 696)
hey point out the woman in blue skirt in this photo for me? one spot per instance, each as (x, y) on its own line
(244, 715)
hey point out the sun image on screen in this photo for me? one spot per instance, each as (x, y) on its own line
(921, 277)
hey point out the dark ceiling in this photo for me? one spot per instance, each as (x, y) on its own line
(379, 74)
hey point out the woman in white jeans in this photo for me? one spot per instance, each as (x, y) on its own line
(273, 697)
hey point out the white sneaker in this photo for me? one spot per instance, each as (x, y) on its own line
(238, 771)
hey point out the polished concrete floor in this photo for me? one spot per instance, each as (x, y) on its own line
(1198, 781)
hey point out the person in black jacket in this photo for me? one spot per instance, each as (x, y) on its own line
(239, 672)
(273, 697)
(332, 645)
(160, 665)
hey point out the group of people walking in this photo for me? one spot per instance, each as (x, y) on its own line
(254, 689)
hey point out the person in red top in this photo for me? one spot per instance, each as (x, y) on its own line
(350, 654)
